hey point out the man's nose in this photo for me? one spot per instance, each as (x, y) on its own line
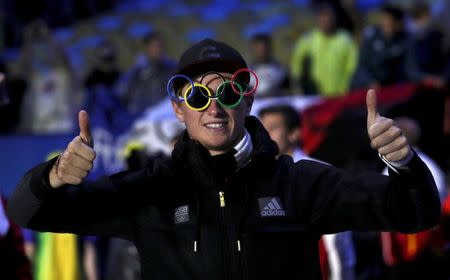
(214, 109)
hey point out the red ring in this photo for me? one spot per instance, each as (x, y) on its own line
(235, 89)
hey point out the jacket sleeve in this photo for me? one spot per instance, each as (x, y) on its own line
(338, 201)
(91, 208)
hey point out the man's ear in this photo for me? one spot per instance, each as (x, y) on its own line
(294, 136)
(178, 111)
(248, 104)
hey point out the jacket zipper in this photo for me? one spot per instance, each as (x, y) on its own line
(244, 265)
(222, 199)
(226, 237)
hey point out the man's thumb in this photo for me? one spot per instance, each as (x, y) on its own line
(371, 101)
(85, 129)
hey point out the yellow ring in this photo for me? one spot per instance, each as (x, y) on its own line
(188, 90)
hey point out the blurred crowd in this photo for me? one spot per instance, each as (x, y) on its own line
(339, 55)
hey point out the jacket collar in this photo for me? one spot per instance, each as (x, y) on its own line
(210, 171)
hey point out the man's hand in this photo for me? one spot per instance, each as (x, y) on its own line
(384, 135)
(77, 160)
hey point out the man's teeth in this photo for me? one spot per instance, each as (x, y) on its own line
(215, 125)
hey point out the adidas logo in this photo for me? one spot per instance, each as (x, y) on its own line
(270, 207)
(181, 214)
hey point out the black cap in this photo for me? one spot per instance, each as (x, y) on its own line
(209, 55)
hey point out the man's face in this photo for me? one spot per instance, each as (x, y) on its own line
(156, 49)
(216, 128)
(421, 22)
(278, 131)
(260, 50)
(388, 24)
(326, 20)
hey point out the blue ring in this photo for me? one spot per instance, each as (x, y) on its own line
(171, 92)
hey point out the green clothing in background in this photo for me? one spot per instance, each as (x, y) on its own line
(333, 61)
(57, 257)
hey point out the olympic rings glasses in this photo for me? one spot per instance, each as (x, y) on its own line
(198, 97)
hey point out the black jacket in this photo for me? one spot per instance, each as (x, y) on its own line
(386, 61)
(262, 221)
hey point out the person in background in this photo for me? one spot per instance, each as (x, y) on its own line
(283, 124)
(387, 53)
(348, 17)
(273, 78)
(144, 85)
(326, 55)
(105, 71)
(53, 92)
(429, 49)
(15, 264)
(440, 11)
(107, 110)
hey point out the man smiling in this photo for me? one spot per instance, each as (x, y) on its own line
(223, 206)
(215, 128)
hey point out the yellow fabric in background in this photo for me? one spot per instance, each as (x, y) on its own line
(57, 257)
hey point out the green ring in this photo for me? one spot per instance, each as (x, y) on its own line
(219, 93)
